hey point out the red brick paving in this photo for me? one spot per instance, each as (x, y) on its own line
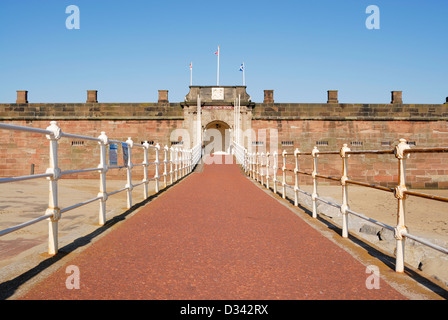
(214, 236)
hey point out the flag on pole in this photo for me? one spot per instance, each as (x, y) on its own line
(217, 52)
(191, 65)
(242, 68)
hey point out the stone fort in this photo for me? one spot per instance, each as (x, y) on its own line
(282, 126)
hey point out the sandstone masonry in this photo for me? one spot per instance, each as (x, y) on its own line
(299, 125)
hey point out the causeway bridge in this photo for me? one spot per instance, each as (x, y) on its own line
(227, 225)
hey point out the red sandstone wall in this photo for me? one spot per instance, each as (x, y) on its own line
(423, 170)
(18, 150)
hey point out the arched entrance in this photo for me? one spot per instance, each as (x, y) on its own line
(217, 138)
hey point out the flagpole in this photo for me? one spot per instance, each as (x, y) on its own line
(238, 115)
(218, 68)
(244, 76)
(191, 73)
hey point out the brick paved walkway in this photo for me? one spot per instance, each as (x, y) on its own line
(214, 236)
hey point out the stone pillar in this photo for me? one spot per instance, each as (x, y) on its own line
(332, 96)
(92, 96)
(163, 96)
(397, 97)
(268, 96)
(22, 96)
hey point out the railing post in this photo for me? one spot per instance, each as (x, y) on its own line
(129, 167)
(188, 155)
(145, 170)
(254, 158)
(275, 168)
(296, 178)
(245, 160)
(257, 166)
(261, 169)
(284, 174)
(53, 205)
(181, 163)
(176, 164)
(184, 162)
(344, 178)
(156, 173)
(257, 162)
(165, 160)
(187, 161)
(171, 165)
(103, 170)
(254, 166)
(267, 170)
(315, 155)
(251, 165)
(401, 196)
(240, 159)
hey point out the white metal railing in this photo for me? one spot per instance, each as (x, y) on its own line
(240, 154)
(258, 167)
(177, 163)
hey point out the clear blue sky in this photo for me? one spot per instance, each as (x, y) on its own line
(128, 50)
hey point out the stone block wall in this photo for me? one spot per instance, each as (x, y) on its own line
(343, 111)
(423, 170)
(19, 150)
(78, 111)
(298, 125)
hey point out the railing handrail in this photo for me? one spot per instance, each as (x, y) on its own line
(183, 160)
(258, 169)
(22, 128)
(77, 136)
